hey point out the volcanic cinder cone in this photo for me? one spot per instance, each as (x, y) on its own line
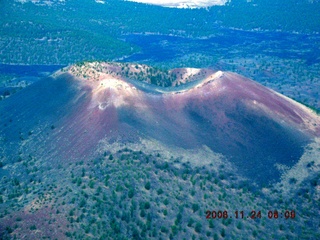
(63, 118)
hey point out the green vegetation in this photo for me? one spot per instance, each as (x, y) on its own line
(137, 195)
(128, 193)
(51, 35)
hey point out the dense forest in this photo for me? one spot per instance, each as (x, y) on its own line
(71, 31)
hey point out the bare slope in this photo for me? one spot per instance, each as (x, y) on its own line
(65, 117)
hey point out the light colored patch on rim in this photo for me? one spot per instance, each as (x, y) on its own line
(103, 105)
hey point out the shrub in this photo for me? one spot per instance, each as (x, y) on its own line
(164, 229)
(198, 227)
(174, 230)
(223, 232)
(130, 193)
(165, 212)
(9, 230)
(147, 186)
(142, 213)
(33, 227)
(178, 220)
(190, 222)
(146, 205)
(255, 233)
(91, 184)
(160, 191)
(239, 225)
(211, 225)
(293, 181)
(195, 207)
